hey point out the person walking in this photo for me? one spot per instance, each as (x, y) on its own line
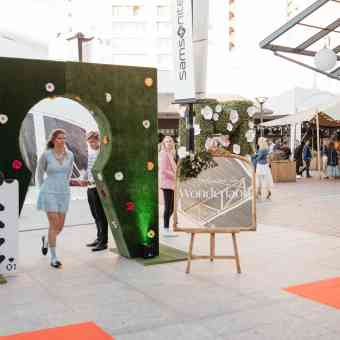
(298, 157)
(307, 157)
(324, 154)
(264, 178)
(54, 191)
(97, 211)
(167, 179)
(332, 161)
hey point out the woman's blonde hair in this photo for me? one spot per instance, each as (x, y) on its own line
(262, 143)
(173, 144)
(53, 135)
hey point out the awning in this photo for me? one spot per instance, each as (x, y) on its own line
(329, 116)
(304, 35)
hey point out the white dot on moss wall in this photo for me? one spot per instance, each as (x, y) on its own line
(119, 176)
(3, 119)
(146, 123)
(50, 87)
(100, 177)
(108, 97)
(230, 127)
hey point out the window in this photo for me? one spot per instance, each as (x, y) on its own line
(164, 44)
(164, 28)
(128, 45)
(164, 61)
(163, 11)
(128, 28)
(127, 11)
(130, 59)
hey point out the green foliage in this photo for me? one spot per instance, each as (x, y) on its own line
(191, 168)
(209, 128)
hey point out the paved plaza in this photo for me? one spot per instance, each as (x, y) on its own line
(297, 242)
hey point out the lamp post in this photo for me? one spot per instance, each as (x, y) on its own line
(261, 101)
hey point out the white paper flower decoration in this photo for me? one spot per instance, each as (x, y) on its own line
(218, 108)
(207, 112)
(119, 176)
(216, 117)
(146, 123)
(108, 97)
(234, 116)
(251, 111)
(50, 87)
(251, 125)
(3, 119)
(182, 152)
(236, 149)
(197, 129)
(250, 135)
(100, 177)
(230, 127)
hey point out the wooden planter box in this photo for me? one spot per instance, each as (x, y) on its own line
(283, 171)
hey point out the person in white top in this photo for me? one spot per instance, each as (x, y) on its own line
(100, 243)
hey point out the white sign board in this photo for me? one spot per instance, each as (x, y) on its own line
(184, 77)
(9, 220)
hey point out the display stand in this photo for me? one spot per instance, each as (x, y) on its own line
(213, 255)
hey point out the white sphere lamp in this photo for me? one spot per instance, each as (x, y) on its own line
(325, 59)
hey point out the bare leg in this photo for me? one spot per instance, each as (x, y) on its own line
(53, 228)
(61, 222)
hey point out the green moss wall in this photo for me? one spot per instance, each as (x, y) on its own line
(131, 204)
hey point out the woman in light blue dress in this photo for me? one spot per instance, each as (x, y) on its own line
(54, 193)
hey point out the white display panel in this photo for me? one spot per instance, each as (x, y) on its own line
(9, 223)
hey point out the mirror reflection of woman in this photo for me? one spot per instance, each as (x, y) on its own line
(54, 194)
(167, 179)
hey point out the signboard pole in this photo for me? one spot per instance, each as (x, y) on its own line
(190, 127)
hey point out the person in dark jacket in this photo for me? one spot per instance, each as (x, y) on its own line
(332, 161)
(285, 151)
(298, 158)
(307, 157)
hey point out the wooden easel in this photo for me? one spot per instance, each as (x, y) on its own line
(212, 255)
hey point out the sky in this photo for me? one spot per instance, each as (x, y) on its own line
(249, 71)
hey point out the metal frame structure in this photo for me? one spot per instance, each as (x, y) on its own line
(304, 47)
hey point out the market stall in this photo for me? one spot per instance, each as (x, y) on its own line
(321, 124)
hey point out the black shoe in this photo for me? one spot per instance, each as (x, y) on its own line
(44, 246)
(100, 247)
(56, 264)
(93, 244)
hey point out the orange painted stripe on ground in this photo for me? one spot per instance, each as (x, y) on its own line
(326, 292)
(83, 331)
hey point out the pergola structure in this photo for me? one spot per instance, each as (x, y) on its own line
(306, 33)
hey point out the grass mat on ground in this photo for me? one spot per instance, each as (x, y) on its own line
(167, 254)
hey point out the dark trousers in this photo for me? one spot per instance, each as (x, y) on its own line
(98, 215)
(168, 206)
(307, 167)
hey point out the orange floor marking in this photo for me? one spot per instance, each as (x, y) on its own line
(326, 292)
(83, 331)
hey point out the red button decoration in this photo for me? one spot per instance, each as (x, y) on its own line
(130, 206)
(16, 165)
